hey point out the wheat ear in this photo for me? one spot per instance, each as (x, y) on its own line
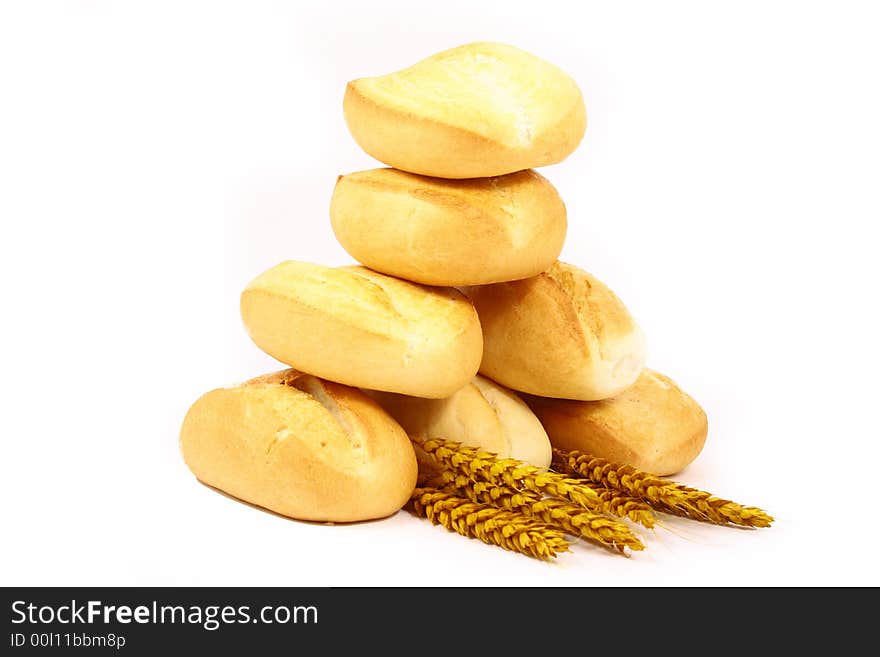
(625, 506)
(574, 520)
(661, 494)
(509, 530)
(483, 466)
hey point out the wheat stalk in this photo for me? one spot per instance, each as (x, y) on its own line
(661, 494)
(507, 529)
(574, 520)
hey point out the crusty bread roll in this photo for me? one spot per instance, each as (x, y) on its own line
(361, 328)
(482, 109)
(481, 414)
(561, 333)
(442, 232)
(301, 447)
(653, 425)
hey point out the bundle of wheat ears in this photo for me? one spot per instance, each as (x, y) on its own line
(525, 509)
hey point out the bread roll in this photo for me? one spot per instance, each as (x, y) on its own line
(301, 447)
(653, 425)
(561, 333)
(481, 414)
(482, 109)
(358, 327)
(441, 232)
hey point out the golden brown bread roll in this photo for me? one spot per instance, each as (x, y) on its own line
(482, 109)
(361, 328)
(653, 425)
(440, 232)
(561, 333)
(481, 414)
(302, 447)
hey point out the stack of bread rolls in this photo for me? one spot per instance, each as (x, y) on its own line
(459, 240)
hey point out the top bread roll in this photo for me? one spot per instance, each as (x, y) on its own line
(561, 333)
(482, 109)
(444, 232)
(355, 326)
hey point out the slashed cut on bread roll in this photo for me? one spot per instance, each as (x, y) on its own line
(478, 110)
(561, 333)
(481, 414)
(361, 328)
(653, 425)
(441, 232)
(302, 447)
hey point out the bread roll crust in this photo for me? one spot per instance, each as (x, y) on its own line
(653, 425)
(362, 328)
(561, 333)
(478, 110)
(524, 433)
(440, 232)
(481, 414)
(465, 417)
(301, 447)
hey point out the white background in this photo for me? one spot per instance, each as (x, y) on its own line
(155, 156)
